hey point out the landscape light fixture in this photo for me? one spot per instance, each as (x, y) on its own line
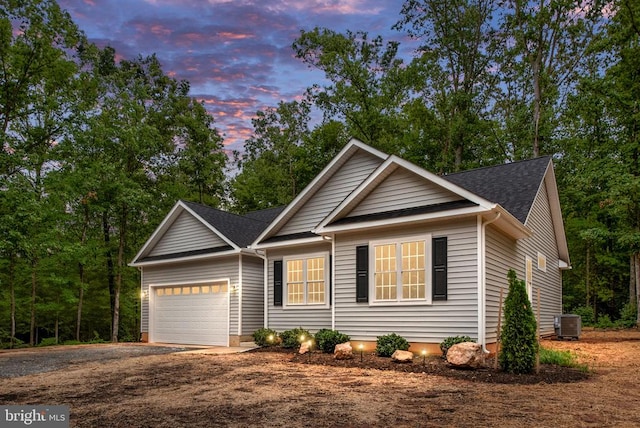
(361, 347)
(424, 356)
(270, 338)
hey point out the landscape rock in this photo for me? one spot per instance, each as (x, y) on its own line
(304, 348)
(402, 356)
(466, 355)
(343, 351)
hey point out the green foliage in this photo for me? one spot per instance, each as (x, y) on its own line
(518, 336)
(265, 337)
(604, 321)
(386, 345)
(327, 339)
(49, 341)
(452, 340)
(586, 314)
(293, 338)
(560, 358)
(628, 316)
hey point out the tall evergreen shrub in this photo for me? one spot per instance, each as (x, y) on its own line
(519, 341)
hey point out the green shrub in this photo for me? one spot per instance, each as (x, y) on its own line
(604, 322)
(265, 337)
(628, 316)
(587, 315)
(327, 339)
(7, 343)
(72, 342)
(49, 341)
(519, 341)
(386, 345)
(293, 338)
(452, 340)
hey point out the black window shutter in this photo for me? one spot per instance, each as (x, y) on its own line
(439, 268)
(362, 273)
(277, 283)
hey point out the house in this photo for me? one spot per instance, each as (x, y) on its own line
(374, 245)
(200, 282)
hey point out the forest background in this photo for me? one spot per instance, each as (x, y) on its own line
(95, 150)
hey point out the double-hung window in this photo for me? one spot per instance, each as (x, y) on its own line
(401, 270)
(306, 280)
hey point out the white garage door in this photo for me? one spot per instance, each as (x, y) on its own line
(191, 314)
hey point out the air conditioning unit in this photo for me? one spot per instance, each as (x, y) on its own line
(567, 326)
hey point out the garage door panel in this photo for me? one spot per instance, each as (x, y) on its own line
(199, 318)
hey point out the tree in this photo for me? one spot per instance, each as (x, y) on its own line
(273, 170)
(368, 83)
(544, 45)
(518, 335)
(457, 64)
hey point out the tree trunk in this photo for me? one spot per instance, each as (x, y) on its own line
(632, 279)
(587, 278)
(32, 331)
(110, 274)
(12, 297)
(637, 272)
(121, 249)
(83, 240)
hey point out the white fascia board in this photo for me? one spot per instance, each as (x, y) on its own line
(287, 243)
(160, 230)
(351, 147)
(448, 214)
(185, 259)
(556, 214)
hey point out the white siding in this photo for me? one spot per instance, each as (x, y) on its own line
(186, 234)
(420, 323)
(343, 182)
(543, 241)
(310, 318)
(501, 255)
(504, 254)
(252, 294)
(184, 273)
(403, 189)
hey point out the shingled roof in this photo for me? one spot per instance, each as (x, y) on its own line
(241, 229)
(512, 185)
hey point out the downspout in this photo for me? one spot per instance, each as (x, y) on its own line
(239, 294)
(265, 279)
(482, 279)
(333, 282)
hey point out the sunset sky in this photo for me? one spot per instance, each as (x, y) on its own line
(236, 54)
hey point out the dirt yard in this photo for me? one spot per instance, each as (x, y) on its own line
(281, 390)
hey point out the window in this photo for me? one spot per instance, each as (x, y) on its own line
(306, 280)
(401, 270)
(542, 262)
(529, 276)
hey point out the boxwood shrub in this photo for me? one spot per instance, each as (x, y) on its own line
(292, 338)
(386, 345)
(327, 339)
(265, 337)
(452, 340)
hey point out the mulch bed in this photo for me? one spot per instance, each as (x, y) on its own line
(435, 365)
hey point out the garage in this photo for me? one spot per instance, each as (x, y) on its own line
(195, 314)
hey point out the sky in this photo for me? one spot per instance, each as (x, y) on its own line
(236, 54)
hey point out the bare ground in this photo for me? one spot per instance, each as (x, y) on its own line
(281, 389)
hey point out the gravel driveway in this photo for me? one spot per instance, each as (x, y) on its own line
(22, 362)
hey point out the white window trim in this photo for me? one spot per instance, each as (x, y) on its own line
(428, 263)
(285, 284)
(528, 261)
